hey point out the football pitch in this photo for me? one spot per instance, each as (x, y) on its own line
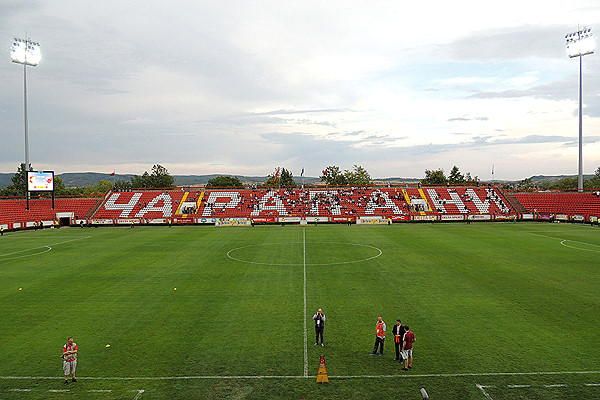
(499, 310)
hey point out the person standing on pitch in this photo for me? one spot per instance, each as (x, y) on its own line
(69, 359)
(398, 332)
(319, 318)
(407, 347)
(379, 336)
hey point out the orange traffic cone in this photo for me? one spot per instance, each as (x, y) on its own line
(322, 374)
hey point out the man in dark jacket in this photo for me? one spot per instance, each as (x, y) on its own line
(398, 332)
(319, 318)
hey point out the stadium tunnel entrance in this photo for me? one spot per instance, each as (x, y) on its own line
(64, 218)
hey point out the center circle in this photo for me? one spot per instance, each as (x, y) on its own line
(264, 250)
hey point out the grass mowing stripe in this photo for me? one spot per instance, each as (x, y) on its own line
(234, 327)
(359, 376)
(305, 316)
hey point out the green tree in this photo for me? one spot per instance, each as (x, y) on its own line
(119, 184)
(19, 183)
(159, 178)
(570, 182)
(471, 181)
(436, 177)
(284, 178)
(455, 176)
(358, 176)
(224, 181)
(61, 190)
(333, 176)
(526, 184)
(98, 189)
(593, 182)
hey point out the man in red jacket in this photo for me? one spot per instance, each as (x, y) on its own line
(407, 347)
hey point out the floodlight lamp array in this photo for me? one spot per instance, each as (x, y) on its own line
(580, 43)
(25, 52)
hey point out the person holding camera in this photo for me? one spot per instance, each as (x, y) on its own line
(319, 318)
(69, 357)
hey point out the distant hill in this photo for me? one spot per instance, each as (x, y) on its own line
(542, 178)
(82, 179)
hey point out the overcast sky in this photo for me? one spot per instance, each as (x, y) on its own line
(242, 87)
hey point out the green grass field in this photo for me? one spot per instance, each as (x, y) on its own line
(500, 311)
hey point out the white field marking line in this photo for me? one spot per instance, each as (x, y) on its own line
(579, 248)
(186, 377)
(592, 384)
(292, 264)
(562, 242)
(517, 386)
(58, 390)
(555, 385)
(20, 390)
(100, 390)
(139, 393)
(47, 247)
(482, 388)
(305, 331)
(5, 256)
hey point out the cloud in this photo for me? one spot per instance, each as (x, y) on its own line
(465, 119)
(245, 87)
(288, 112)
(510, 43)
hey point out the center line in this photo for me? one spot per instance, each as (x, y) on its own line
(305, 333)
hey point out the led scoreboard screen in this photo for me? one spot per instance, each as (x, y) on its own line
(40, 181)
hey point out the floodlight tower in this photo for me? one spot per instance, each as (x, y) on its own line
(579, 44)
(26, 52)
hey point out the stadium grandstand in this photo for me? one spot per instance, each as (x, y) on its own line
(295, 205)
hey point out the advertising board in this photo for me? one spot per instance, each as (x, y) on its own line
(127, 221)
(40, 181)
(424, 217)
(504, 216)
(211, 221)
(290, 219)
(373, 221)
(233, 222)
(446, 217)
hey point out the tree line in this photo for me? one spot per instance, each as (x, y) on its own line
(158, 177)
(567, 183)
(437, 177)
